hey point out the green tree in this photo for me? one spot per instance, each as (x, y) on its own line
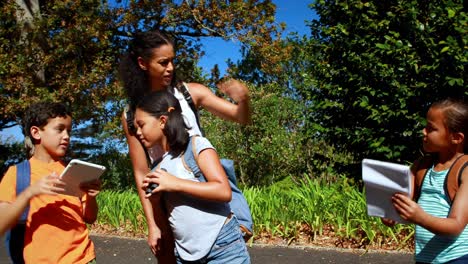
(267, 150)
(375, 66)
(10, 152)
(77, 44)
(69, 50)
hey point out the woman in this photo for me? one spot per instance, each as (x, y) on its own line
(149, 66)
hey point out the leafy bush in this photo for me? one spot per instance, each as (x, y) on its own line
(274, 146)
(309, 209)
(11, 152)
(119, 173)
(371, 68)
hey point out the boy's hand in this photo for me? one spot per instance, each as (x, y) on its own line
(408, 209)
(92, 188)
(50, 184)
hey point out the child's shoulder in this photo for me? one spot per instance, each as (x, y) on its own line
(10, 174)
(8, 185)
(423, 162)
(201, 143)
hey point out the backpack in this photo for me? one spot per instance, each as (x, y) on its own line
(452, 180)
(238, 203)
(14, 238)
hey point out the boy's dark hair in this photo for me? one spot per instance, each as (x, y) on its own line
(456, 117)
(134, 79)
(38, 114)
(164, 103)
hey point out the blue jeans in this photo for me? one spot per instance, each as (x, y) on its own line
(229, 247)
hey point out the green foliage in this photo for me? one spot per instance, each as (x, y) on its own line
(274, 146)
(64, 52)
(286, 210)
(121, 210)
(371, 68)
(11, 152)
(119, 173)
(68, 50)
(265, 150)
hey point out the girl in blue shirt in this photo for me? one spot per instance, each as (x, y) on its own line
(204, 229)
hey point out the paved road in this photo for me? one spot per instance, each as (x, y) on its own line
(114, 250)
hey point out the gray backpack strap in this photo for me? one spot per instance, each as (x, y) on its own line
(238, 203)
(190, 158)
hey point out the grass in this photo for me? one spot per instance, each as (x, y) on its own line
(286, 212)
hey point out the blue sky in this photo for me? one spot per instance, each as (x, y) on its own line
(293, 13)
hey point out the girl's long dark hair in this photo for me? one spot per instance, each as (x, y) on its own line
(134, 79)
(160, 103)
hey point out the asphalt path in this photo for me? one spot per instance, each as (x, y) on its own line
(117, 250)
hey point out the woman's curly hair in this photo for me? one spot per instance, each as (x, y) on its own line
(134, 79)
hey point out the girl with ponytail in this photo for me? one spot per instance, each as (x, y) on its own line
(205, 230)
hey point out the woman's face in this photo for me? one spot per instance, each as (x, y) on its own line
(160, 68)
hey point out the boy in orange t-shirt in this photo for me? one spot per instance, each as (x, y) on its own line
(56, 229)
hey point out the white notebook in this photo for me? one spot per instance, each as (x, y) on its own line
(381, 181)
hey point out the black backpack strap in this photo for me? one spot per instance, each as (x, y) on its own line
(182, 88)
(462, 168)
(130, 117)
(454, 176)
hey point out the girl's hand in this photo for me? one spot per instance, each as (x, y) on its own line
(154, 240)
(388, 222)
(234, 89)
(165, 181)
(408, 209)
(92, 188)
(50, 184)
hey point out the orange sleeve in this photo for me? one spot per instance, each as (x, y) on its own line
(8, 185)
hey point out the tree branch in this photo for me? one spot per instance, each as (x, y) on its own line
(216, 33)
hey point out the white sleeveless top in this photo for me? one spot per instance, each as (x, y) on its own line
(190, 120)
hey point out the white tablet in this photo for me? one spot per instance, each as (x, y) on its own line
(78, 172)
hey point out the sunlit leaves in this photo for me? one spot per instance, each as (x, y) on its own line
(72, 51)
